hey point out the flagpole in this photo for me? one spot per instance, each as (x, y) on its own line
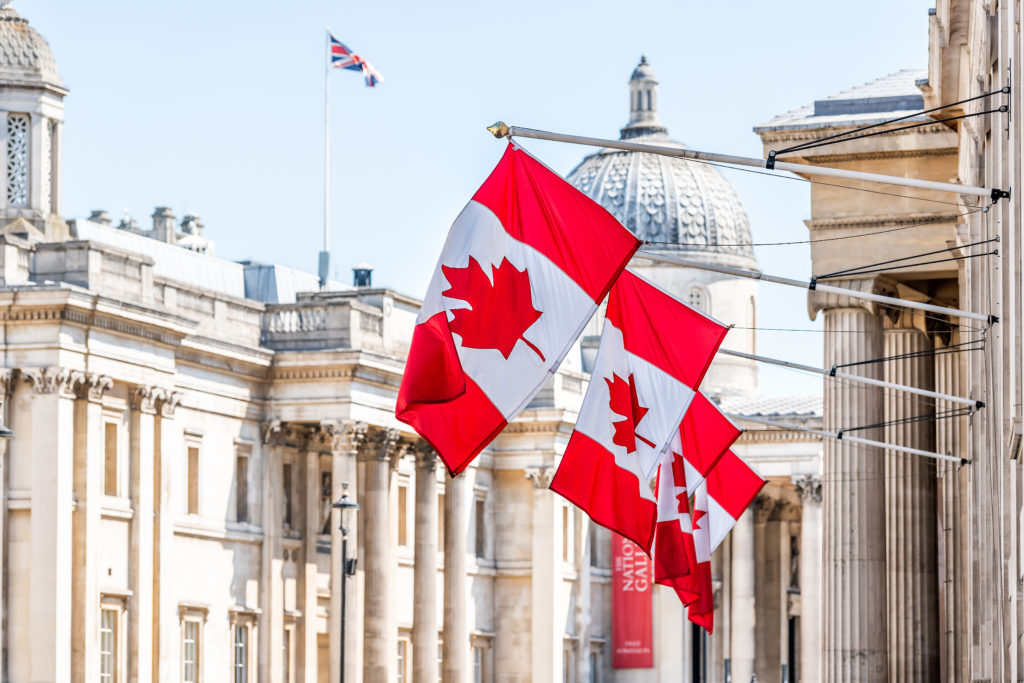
(501, 129)
(323, 266)
(846, 376)
(818, 286)
(841, 436)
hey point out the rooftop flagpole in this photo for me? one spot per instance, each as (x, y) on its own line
(852, 439)
(323, 267)
(501, 129)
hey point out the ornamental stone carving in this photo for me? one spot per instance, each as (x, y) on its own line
(92, 386)
(170, 402)
(344, 436)
(7, 378)
(145, 398)
(426, 456)
(287, 434)
(50, 380)
(809, 488)
(540, 476)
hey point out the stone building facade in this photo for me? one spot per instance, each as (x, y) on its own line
(922, 574)
(183, 423)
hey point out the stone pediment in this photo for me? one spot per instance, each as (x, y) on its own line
(21, 227)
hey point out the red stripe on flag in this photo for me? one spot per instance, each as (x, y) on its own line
(559, 221)
(686, 340)
(733, 484)
(589, 478)
(706, 434)
(440, 402)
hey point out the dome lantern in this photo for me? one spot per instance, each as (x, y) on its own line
(32, 101)
(643, 103)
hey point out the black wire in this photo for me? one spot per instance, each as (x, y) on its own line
(951, 348)
(994, 252)
(824, 142)
(905, 258)
(1003, 90)
(914, 419)
(945, 219)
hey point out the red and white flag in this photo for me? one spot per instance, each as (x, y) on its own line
(704, 435)
(696, 589)
(672, 533)
(731, 486)
(654, 352)
(522, 271)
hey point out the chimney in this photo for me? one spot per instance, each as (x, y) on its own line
(191, 225)
(100, 216)
(163, 224)
(362, 275)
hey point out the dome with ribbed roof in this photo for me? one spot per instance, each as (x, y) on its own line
(25, 57)
(685, 205)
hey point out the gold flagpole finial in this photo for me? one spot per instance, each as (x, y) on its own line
(498, 129)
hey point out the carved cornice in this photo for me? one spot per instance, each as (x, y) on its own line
(540, 476)
(826, 159)
(798, 135)
(883, 221)
(818, 300)
(287, 434)
(809, 488)
(340, 436)
(546, 427)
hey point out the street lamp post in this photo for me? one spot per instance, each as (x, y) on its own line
(347, 506)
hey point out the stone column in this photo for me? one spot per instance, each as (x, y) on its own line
(424, 615)
(910, 515)
(348, 438)
(952, 591)
(853, 501)
(140, 613)
(458, 497)
(582, 590)
(88, 487)
(167, 446)
(51, 444)
(307, 567)
(7, 382)
(379, 634)
(547, 631)
(769, 587)
(809, 488)
(742, 635)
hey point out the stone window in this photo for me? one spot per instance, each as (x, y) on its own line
(403, 516)
(402, 661)
(192, 481)
(243, 644)
(287, 486)
(17, 160)
(242, 453)
(440, 522)
(112, 652)
(480, 520)
(51, 160)
(326, 494)
(482, 662)
(192, 619)
(286, 653)
(595, 666)
(110, 469)
(568, 662)
(567, 534)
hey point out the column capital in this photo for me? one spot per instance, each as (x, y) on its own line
(809, 488)
(763, 507)
(52, 379)
(384, 444)
(818, 300)
(145, 397)
(425, 455)
(91, 385)
(341, 436)
(169, 402)
(287, 434)
(540, 476)
(8, 376)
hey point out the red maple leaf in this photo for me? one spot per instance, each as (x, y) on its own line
(623, 401)
(499, 313)
(679, 480)
(696, 518)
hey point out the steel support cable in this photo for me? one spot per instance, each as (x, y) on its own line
(913, 419)
(854, 271)
(938, 221)
(822, 143)
(849, 439)
(1005, 90)
(952, 348)
(886, 269)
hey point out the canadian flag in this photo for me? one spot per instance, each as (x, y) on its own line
(695, 589)
(522, 271)
(731, 486)
(704, 435)
(672, 533)
(654, 352)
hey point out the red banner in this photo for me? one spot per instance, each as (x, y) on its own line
(632, 630)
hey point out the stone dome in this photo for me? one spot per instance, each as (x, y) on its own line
(665, 199)
(25, 57)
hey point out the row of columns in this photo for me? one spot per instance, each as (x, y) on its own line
(881, 553)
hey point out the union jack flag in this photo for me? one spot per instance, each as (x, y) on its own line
(343, 58)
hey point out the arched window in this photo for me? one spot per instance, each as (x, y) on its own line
(17, 160)
(697, 298)
(649, 107)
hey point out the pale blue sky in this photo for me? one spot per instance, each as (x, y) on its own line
(216, 108)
